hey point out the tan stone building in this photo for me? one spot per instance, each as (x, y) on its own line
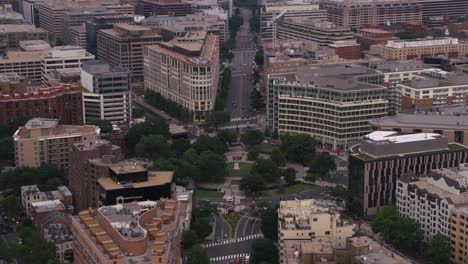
(45, 141)
(458, 231)
(185, 71)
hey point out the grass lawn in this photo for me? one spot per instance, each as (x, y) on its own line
(208, 194)
(297, 188)
(244, 169)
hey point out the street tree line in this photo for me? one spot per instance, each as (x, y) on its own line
(171, 108)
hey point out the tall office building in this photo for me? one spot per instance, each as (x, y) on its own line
(163, 7)
(107, 95)
(46, 141)
(384, 156)
(357, 13)
(444, 8)
(331, 103)
(272, 12)
(100, 22)
(185, 71)
(123, 45)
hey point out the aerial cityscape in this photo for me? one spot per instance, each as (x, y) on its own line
(234, 132)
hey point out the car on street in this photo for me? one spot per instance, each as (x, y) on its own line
(251, 221)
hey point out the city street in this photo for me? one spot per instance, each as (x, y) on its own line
(222, 229)
(247, 226)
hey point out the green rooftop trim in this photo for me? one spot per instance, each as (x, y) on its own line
(357, 151)
(456, 146)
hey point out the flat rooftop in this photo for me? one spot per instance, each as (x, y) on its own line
(11, 28)
(155, 178)
(124, 168)
(393, 137)
(100, 67)
(49, 128)
(89, 145)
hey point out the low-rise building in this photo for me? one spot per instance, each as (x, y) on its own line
(346, 49)
(149, 231)
(163, 7)
(372, 188)
(367, 37)
(35, 201)
(44, 140)
(12, 34)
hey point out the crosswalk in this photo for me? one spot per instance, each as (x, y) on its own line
(243, 119)
(214, 244)
(342, 168)
(250, 125)
(239, 239)
(235, 256)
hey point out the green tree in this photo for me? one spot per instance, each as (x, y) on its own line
(11, 206)
(438, 251)
(267, 169)
(212, 165)
(322, 164)
(198, 255)
(7, 148)
(278, 157)
(217, 118)
(152, 126)
(259, 57)
(269, 215)
(340, 193)
(179, 146)
(153, 146)
(191, 156)
(257, 99)
(253, 137)
(298, 148)
(104, 125)
(189, 239)
(252, 155)
(252, 184)
(264, 251)
(202, 228)
(228, 137)
(34, 248)
(214, 144)
(289, 175)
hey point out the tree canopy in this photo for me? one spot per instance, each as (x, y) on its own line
(298, 148)
(253, 137)
(322, 164)
(289, 175)
(152, 126)
(278, 157)
(269, 215)
(263, 251)
(252, 184)
(104, 125)
(267, 169)
(214, 144)
(217, 118)
(154, 147)
(438, 251)
(198, 255)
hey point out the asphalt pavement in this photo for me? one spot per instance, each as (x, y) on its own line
(222, 228)
(247, 226)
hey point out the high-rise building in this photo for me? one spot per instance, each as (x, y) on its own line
(272, 12)
(123, 45)
(358, 13)
(98, 23)
(63, 103)
(372, 188)
(331, 103)
(185, 71)
(107, 95)
(149, 231)
(44, 140)
(443, 8)
(12, 34)
(307, 29)
(458, 230)
(430, 200)
(163, 7)
(78, 36)
(89, 161)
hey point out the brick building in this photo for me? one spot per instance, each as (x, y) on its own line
(347, 49)
(372, 36)
(63, 103)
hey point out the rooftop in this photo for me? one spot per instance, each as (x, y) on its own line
(393, 137)
(155, 178)
(49, 128)
(100, 67)
(47, 206)
(89, 145)
(399, 66)
(10, 28)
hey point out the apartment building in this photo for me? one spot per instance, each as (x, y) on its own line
(44, 140)
(107, 95)
(367, 37)
(304, 220)
(64, 57)
(163, 7)
(153, 232)
(26, 61)
(358, 13)
(272, 12)
(62, 103)
(170, 26)
(31, 194)
(430, 200)
(443, 8)
(372, 188)
(89, 161)
(123, 45)
(12, 34)
(332, 103)
(185, 71)
(51, 13)
(308, 29)
(98, 23)
(451, 122)
(458, 229)
(420, 48)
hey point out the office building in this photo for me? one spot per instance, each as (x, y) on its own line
(195, 57)
(44, 140)
(272, 12)
(332, 103)
(62, 102)
(367, 37)
(149, 231)
(307, 29)
(64, 57)
(430, 200)
(128, 182)
(88, 162)
(52, 17)
(287, 56)
(26, 61)
(98, 23)
(421, 48)
(10, 17)
(372, 188)
(12, 34)
(358, 13)
(78, 36)
(451, 122)
(107, 95)
(123, 45)
(216, 24)
(458, 229)
(304, 220)
(444, 8)
(61, 77)
(163, 7)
